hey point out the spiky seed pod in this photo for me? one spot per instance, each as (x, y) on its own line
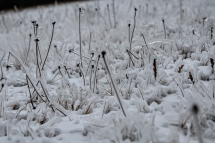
(212, 64)
(155, 68)
(191, 77)
(180, 68)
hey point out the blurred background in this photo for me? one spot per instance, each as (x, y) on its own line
(9, 4)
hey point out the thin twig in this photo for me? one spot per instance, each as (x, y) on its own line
(53, 23)
(113, 83)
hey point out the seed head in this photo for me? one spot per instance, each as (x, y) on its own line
(34, 22)
(195, 109)
(103, 53)
(36, 39)
(163, 20)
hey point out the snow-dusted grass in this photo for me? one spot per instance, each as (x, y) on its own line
(109, 71)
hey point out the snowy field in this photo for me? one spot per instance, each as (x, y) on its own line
(108, 71)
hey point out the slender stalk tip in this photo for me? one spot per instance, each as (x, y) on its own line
(195, 109)
(34, 22)
(135, 9)
(129, 25)
(37, 39)
(2, 85)
(53, 23)
(79, 9)
(58, 67)
(92, 66)
(103, 53)
(163, 20)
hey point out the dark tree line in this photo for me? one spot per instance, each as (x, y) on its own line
(9, 4)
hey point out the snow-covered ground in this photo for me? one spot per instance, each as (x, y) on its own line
(162, 70)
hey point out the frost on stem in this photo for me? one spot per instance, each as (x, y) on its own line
(164, 27)
(113, 83)
(132, 34)
(53, 24)
(94, 82)
(80, 36)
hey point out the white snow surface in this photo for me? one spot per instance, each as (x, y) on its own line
(167, 91)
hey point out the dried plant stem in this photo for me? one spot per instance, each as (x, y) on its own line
(129, 35)
(44, 91)
(79, 55)
(130, 58)
(89, 64)
(164, 27)
(37, 57)
(99, 14)
(61, 112)
(29, 46)
(96, 68)
(108, 9)
(180, 11)
(212, 29)
(81, 73)
(2, 73)
(67, 72)
(91, 72)
(90, 41)
(113, 83)
(179, 88)
(30, 94)
(79, 30)
(132, 34)
(132, 54)
(195, 111)
(144, 40)
(114, 14)
(35, 89)
(53, 24)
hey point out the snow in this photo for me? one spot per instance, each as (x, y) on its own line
(158, 92)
